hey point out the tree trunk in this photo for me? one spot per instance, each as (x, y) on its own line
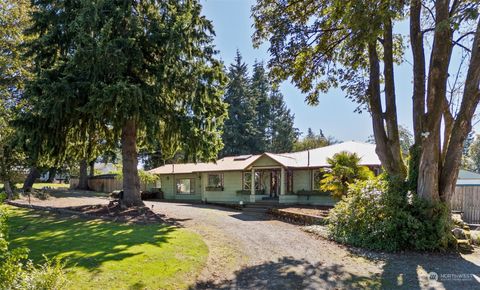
(382, 148)
(131, 182)
(416, 39)
(391, 105)
(8, 189)
(30, 180)
(463, 124)
(51, 174)
(430, 164)
(83, 178)
(92, 168)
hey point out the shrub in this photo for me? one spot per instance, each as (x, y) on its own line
(17, 272)
(344, 170)
(3, 196)
(378, 214)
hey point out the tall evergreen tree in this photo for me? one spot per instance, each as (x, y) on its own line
(124, 67)
(14, 71)
(260, 88)
(240, 131)
(282, 130)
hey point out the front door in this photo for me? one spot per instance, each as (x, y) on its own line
(274, 183)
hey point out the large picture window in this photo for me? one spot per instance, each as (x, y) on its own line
(186, 186)
(215, 182)
(316, 179)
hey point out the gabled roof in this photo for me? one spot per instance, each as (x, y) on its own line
(313, 158)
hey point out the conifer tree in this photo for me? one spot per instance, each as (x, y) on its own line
(138, 71)
(282, 130)
(260, 88)
(241, 131)
(14, 71)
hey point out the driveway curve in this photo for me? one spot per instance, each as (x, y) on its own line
(254, 252)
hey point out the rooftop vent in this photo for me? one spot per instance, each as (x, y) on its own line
(241, 157)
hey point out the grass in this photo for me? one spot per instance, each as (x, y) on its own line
(42, 185)
(108, 255)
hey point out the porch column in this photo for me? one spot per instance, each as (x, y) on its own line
(282, 181)
(252, 187)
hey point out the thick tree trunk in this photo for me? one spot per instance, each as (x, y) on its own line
(416, 39)
(383, 149)
(391, 104)
(131, 182)
(30, 180)
(462, 125)
(8, 189)
(51, 174)
(92, 168)
(430, 164)
(83, 177)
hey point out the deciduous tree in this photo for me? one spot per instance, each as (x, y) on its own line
(352, 44)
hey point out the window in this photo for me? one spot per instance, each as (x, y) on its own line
(186, 186)
(247, 180)
(215, 182)
(317, 178)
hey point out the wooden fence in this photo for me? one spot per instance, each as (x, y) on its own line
(106, 183)
(466, 199)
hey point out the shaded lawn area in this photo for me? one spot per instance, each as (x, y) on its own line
(108, 255)
(42, 185)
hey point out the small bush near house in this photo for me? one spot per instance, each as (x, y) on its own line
(344, 170)
(380, 216)
(17, 272)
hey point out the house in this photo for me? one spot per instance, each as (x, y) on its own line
(286, 177)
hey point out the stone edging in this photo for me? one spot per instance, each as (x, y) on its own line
(296, 218)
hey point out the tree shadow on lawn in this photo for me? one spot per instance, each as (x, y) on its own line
(291, 273)
(81, 242)
(411, 270)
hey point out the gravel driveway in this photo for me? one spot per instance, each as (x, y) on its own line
(254, 252)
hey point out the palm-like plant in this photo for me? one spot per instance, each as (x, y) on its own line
(344, 170)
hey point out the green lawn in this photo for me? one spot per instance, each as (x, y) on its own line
(42, 185)
(108, 255)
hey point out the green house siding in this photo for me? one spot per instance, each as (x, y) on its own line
(302, 180)
(265, 161)
(232, 182)
(169, 186)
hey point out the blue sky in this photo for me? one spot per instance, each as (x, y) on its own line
(334, 115)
